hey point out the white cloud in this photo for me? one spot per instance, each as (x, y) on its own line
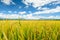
(21, 12)
(7, 2)
(13, 3)
(54, 17)
(28, 16)
(15, 11)
(46, 11)
(37, 3)
(9, 11)
(26, 6)
(17, 16)
(57, 2)
(39, 8)
(9, 16)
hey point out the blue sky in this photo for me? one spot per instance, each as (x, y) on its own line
(30, 9)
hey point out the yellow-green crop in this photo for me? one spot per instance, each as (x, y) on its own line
(29, 30)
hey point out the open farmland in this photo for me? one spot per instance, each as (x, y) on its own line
(29, 30)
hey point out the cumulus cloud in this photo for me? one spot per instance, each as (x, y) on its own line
(7, 2)
(46, 11)
(28, 16)
(12, 16)
(9, 16)
(37, 3)
(17, 16)
(9, 11)
(31, 15)
(21, 12)
(54, 17)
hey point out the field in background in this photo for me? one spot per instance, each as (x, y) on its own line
(29, 30)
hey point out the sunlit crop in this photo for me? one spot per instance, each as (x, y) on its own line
(29, 30)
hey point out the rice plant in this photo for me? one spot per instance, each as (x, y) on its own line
(29, 30)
